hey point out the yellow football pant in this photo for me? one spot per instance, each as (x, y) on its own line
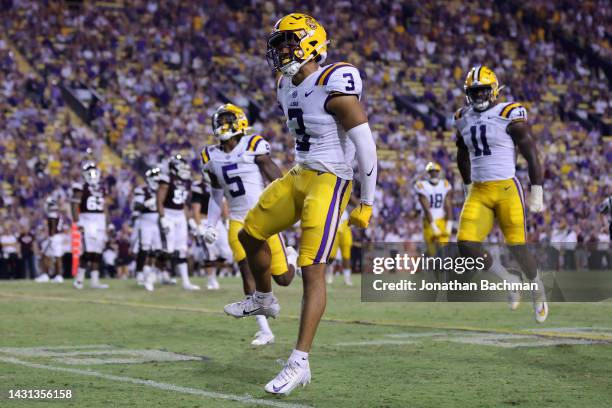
(344, 239)
(490, 200)
(278, 264)
(315, 198)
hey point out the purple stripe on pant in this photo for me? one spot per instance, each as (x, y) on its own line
(338, 218)
(328, 221)
(520, 192)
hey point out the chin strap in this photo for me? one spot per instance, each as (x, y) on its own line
(294, 67)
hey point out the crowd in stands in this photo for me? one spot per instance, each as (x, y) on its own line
(160, 69)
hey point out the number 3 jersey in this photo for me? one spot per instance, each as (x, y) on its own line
(492, 150)
(237, 173)
(321, 143)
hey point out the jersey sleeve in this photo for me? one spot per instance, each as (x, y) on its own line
(447, 186)
(164, 178)
(258, 145)
(341, 77)
(419, 188)
(514, 112)
(205, 157)
(139, 195)
(76, 186)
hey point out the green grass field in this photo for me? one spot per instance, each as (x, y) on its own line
(101, 345)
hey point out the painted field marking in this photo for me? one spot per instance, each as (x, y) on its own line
(98, 354)
(484, 338)
(245, 399)
(383, 323)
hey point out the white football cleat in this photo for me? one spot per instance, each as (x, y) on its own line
(98, 285)
(292, 375)
(77, 284)
(212, 284)
(58, 279)
(251, 307)
(140, 279)
(42, 278)
(263, 338)
(541, 311)
(348, 281)
(514, 299)
(190, 286)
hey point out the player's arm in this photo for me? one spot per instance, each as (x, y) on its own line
(160, 195)
(519, 132)
(352, 117)
(215, 206)
(463, 160)
(268, 168)
(74, 203)
(448, 211)
(426, 209)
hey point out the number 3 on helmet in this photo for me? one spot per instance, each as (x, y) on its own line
(296, 39)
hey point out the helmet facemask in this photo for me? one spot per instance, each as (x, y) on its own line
(225, 125)
(285, 53)
(92, 176)
(434, 176)
(480, 97)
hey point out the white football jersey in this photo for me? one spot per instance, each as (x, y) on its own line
(492, 151)
(237, 173)
(320, 142)
(436, 194)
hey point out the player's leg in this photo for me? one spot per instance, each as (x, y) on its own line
(326, 199)
(475, 223)
(180, 238)
(284, 259)
(277, 209)
(346, 243)
(511, 218)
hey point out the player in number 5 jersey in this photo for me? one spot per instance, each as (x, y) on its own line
(237, 167)
(487, 136)
(324, 113)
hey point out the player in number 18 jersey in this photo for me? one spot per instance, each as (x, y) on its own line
(324, 114)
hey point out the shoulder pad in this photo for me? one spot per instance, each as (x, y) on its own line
(341, 77)
(514, 111)
(458, 114)
(258, 145)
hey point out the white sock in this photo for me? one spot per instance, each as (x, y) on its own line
(265, 299)
(539, 295)
(80, 277)
(329, 270)
(95, 277)
(501, 272)
(212, 278)
(298, 357)
(346, 272)
(182, 270)
(263, 324)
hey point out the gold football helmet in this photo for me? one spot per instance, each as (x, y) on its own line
(229, 121)
(433, 170)
(296, 39)
(481, 87)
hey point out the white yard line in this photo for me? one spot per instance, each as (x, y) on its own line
(245, 399)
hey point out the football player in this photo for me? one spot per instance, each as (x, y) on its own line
(606, 208)
(147, 225)
(488, 134)
(213, 254)
(435, 197)
(344, 241)
(324, 113)
(172, 198)
(89, 213)
(238, 167)
(54, 249)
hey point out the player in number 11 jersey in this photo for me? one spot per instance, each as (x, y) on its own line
(324, 114)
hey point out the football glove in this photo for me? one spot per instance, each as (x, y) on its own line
(164, 225)
(360, 216)
(449, 227)
(536, 199)
(209, 234)
(193, 226)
